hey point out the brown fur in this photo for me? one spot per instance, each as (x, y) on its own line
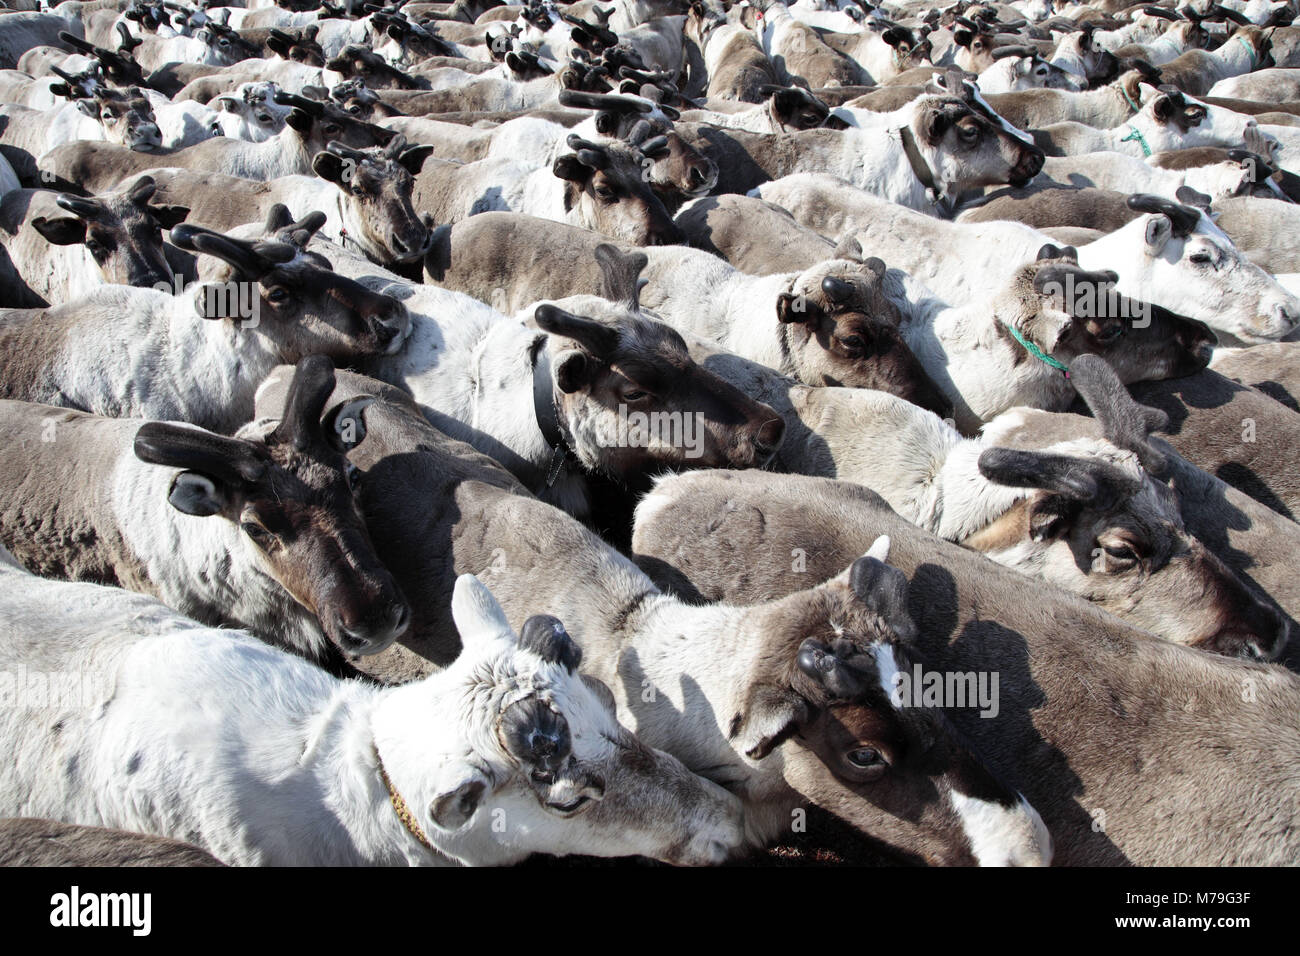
(1251, 107)
(91, 167)
(1209, 417)
(124, 233)
(483, 256)
(467, 520)
(412, 542)
(1051, 205)
(744, 70)
(1094, 715)
(621, 201)
(30, 842)
(59, 517)
(1273, 368)
(1195, 72)
(757, 237)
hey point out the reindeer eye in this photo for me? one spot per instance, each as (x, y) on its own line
(277, 295)
(1201, 258)
(1120, 552)
(353, 475)
(605, 193)
(261, 537)
(865, 758)
(854, 343)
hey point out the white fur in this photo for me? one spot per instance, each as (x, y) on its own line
(211, 737)
(962, 262)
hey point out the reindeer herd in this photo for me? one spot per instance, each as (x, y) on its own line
(445, 433)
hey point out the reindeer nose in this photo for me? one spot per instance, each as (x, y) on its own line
(401, 617)
(376, 633)
(1283, 319)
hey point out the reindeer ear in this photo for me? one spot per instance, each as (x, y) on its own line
(459, 791)
(332, 168)
(572, 371)
(848, 248)
(1051, 516)
(299, 121)
(62, 230)
(169, 216)
(220, 300)
(1159, 231)
(570, 168)
(345, 424)
(413, 157)
(197, 495)
(771, 714)
(476, 613)
(794, 308)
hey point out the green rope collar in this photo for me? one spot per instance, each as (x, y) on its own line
(1129, 100)
(1249, 49)
(1136, 134)
(1035, 351)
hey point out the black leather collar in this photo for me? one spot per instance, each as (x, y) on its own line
(544, 411)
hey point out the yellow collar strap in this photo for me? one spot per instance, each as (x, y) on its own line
(401, 809)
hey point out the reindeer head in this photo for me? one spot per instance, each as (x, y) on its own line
(289, 490)
(1194, 269)
(830, 689)
(614, 367)
(516, 727)
(840, 327)
(1101, 521)
(967, 148)
(1068, 311)
(378, 183)
(677, 169)
(607, 190)
(299, 46)
(296, 300)
(357, 62)
(126, 116)
(318, 123)
(252, 106)
(121, 231)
